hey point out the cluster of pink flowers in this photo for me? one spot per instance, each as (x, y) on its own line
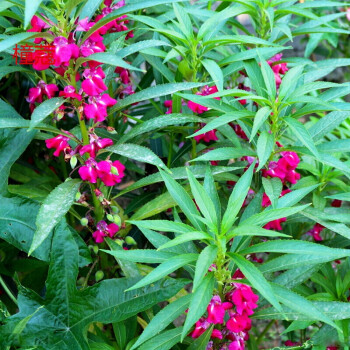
(104, 230)
(238, 305)
(277, 68)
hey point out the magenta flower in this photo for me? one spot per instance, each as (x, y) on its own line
(216, 334)
(104, 230)
(216, 310)
(95, 145)
(274, 171)
(88, 171)
(42, 89)
(201, 326)
(197, 108)
(237, 344)
(93, 84)
(315, 232)
(348, 13)
(124, 75)
(275, 224)
(207, 136)
(60, 143)
(289, 161)
(168, 104)
(244, 299)
(37, 26)
(110, 173)
(64, 51)
(69, 92)
(97, 107)
(88, 47)
(238, 323)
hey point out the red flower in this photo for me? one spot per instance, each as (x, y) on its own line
(95, 145)
(216, 310)
(244, 299)
(104, 230)
(315, 232)
(93, 84)
(110, 173)
(60, 143)
(97, 107)
(238, 323)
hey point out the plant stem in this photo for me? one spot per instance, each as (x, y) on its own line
(261, 336)
(7, 290)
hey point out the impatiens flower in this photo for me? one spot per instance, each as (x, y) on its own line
(291, 343)
(275, 225)
(216, 310)
(42, 89)
(69, 92)
(239, 132)
(274, 171)
(168, 104)
(289, 161)
(37, 26)
(97, 107)
(216, 334)
(124, 75)
(95, 145)
(64, 51)
(197, 108)
(238, 323)
(244, 299)
(207, 136)
(201, 326)
(348, 13)
(279, 68)
(109, 172)
(104, 230)
(88, 171)
(60, 143)
(88, 47)
(93, 84)
(315, 232)
(336, 203)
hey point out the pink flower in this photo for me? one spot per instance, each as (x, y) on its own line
(168, 104)
(104, 230)
(197, 108)
(95, 145)
(37, 26)
(275, 224)
(280, 68)
(348, 13)
(124, 75)
(266, 200)
(36, 94)
(239, 132)
(216, 334)
(291, 343)
(315, 232)
(110, 173)
(201, 326)
(64, 51)
(97, 107)
(88, 171)
(216, 310)
(244, 299)
(69, 92)
(93, 84)
(238, 323)
(60, 143)
(84, 25)
(289, 161)
(88, 47)
(207, 136)
(274, 171)
(237, 344)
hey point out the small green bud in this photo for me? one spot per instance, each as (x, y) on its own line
(110, 217)
(130, 241)
(81, 281)
(73, 161)
(117, 220)
(99, 275)
(95, 249)
(84, 221)
(119, 242)
(91, 247)
(77, 196)
(114, 170)
(115, 209)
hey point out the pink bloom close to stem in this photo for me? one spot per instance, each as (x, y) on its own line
(315, 232)
(88, 171)
(104, 230)
(69, 92)
(60, 143)
(216, 310)
(95, 145)
(109, 172)
(244, 299)
(97, 107)
(238, 323)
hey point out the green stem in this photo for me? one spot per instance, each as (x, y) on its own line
(7, 290)
(194, 151)
(261, 336)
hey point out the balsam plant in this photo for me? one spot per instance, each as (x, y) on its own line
(172, 178)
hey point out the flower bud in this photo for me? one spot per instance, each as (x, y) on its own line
(115, 209)
(114, 170)
(84, 221)
(117, 220)
(110, 217)
(81, 281)
(73, 161)
(119, 242)
(111, 130)
(99, 275)
(77, 196)
(95, 249)
(130, 241)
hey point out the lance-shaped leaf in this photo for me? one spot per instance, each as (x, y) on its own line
(225, 153)
(163, 341)
(186, 237)
(256, 278)
(165, 269)
(251, 230)
(141, 255)
(264, 148)
(163, 225)
(260, 117)
(53, 209)
(236, 199)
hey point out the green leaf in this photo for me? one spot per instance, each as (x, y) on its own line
(139, 46)
(45, 109)
(290, 81)
(251, 230)
(294, 247)
(261, 116)
(163, 341)
(203, 201)
(254, 73)
(273, 189)
(163, 319)
(54, 207)
(225, 153)
(340, 196)
(107, 58)
(90, 8)
(30, 10)
(23, 123)
(301, 305)
(17, 38)
(140, 153)
(236, 199)
(141, 255)
(256, 278)
(264, 148)
(205, 260)
(183, 200)
(294, 197)
(184, 21)
(199, 302)
(269, 79)
(215, 72)
(202, 342)
(163, 225)
(165, 269)
(186, 237)
(152, 92)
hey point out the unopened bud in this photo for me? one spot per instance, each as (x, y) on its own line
(84, 221)
(110, 217)
(99, 275)
(95, 249)
(115, 209)
(117, 220)
(111, 130)
(73, 161)
(119, 242)
(114, 170)
(81, 281)
(130, 241)
(77, 196)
